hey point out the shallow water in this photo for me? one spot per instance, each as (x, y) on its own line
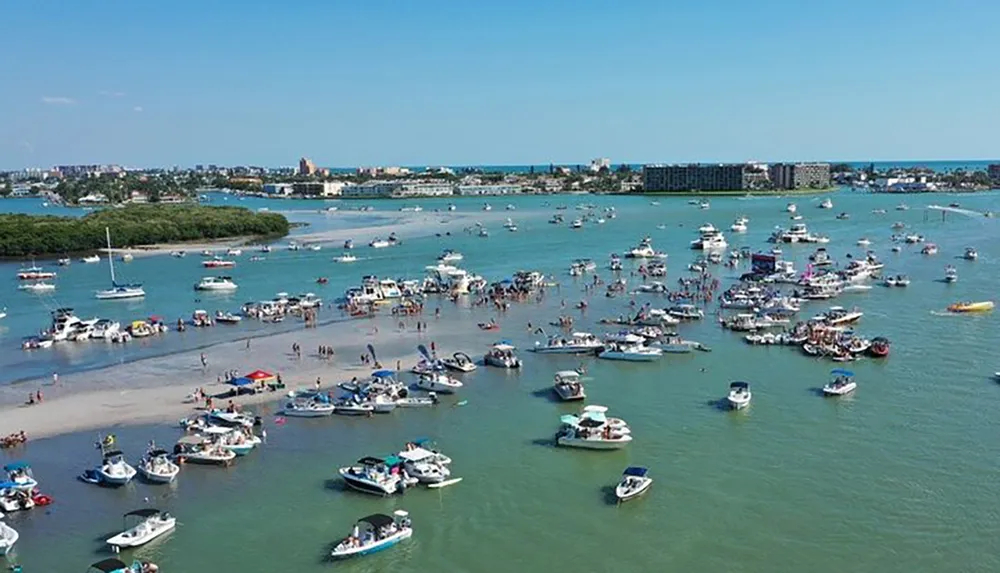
(898, 477)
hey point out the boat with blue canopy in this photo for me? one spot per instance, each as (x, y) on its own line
(20, 474)
(113, 565)
(841, 383)
(635, 481)
(374, 533)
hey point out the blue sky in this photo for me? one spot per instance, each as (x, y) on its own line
(410, 82)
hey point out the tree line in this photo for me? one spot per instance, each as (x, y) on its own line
(134, 225)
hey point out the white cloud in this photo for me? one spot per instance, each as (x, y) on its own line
(58, 100)
(110, 93)
(27, 145)
(137, 108)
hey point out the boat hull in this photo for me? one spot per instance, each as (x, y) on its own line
(624, 494)
(629, 357)
(603, 445)
(368, 487)
(123, 541)
(158, 478)
(374, 547)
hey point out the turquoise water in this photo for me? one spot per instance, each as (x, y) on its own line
(898, 477)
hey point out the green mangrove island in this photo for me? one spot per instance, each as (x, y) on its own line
(132, 226)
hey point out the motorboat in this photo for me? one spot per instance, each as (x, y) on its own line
(644, 250)
(197, 449)
(231, 418)
(106, 329)
(91, 259)
(576, 224)
(686, 312)
(712, 241)
(864, 242)
(313, 407)
(38, 287)
(118, 291)
(377, 476)
(8, 537)
(348, 245)
(635, 482)
(34, 273)
(970, 254)
(929, 249)
(12, 499)
(234, 252)
(902, 207)
(950, 274)
(826, 204)
(791, 208)
(374, 533)
(676, 345)
(593, 430)
(739, 225)
(896, 281)
(379, 243)
(227, 317)
(177, 254)
(438, 382)
(576, 343)
(156, 466)
(969, 307)
(879, 347)
(487, 207)
(64, 262)
(114, 470)
(239, 440)
(707, 228)
(218, 263)
(510, 225)
(354, 406)
(459, 362)
(703, 205)
(843, 216)
(568, 386)
(502, 355)
(842, 383)
(450, 256)
(20, 477)
(633, 350)
(113, 565)
(345, 258)
(152, 523)
(739, 395)
(838, 315)
(424, 465)
(483, 232)
(216, 284)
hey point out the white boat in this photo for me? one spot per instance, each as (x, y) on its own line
(345, 258)
(118, 291)
(950, 274)
(64, 262)
(686, 312)
(377, 476)
(354, 408)
(450, 256)
(177, 254)
(576, 343)
(152, 524)
(196, 449)
(216, 284)
(568, 386)
(739, 225)
(510, 225)
(712, 241)
(633, 351)
(12, 500)
(227, 317)
(502, 355)
(8, 537)
(864, 242)
(826, 204)
(91, 259)
(897, 281)
(459, 362)
(970, 254)
(233, 252)
(842, 383)
(114, 470)
(791, 208)
(838, 315)
(929, 249)
(308, 408)
(374, 533)
(38, 287)
(593, 430)
(644, 250)
(424, 465)
(378, 243)
(20, 477)
(438, 382)
(239, 440)
(156, 467)
(635, 482)
(576, 224)
(739, 395)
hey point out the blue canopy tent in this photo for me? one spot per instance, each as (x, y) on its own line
(383, 374)
(241, 381)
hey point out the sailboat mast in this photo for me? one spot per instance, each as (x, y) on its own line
(111, 256)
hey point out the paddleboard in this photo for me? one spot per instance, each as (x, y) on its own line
(444, 483)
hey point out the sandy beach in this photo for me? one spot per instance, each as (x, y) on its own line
(154, 390)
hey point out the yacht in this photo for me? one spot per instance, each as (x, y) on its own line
(710, 241)
(950, 274)
(739, 225)
(216, 284)
(568, 386)
(644, 250)
(576, 343)
(450, 256)
(593, 430)
(739, 395)
(438, 382)
(118, 291)
(842, 383)
(635, 482)
(460, 362)
(156, 467)
(502, 355)
(826, 204)
(65, 324)
(91, 259)
(114, 470)
(378, 476)
(152, 524)
(374, 533)
(970, 254)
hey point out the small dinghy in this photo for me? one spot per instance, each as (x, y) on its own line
(634, 483)
(152, 524)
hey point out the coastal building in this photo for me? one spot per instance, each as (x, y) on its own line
(318, 188)
(278, 189)
(596, 165)
(800, 175)
(487, 189)
(993, 170)
(306, 166)
(384, 189)
(694, 177)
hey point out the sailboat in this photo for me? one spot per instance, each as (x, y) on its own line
(118, 291)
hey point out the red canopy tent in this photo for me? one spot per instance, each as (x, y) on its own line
(260, 376)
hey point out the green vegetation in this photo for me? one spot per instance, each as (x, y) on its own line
(118, 189)
(135, 225)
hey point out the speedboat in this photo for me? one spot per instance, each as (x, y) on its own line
(460, 362)
(113, 565)
(152, 524)
(450, 256)
(967, 307)
(576, 224)
(635, 482)
(502, 355)
(929, 249)
(156, 467)
(106, 329)
(315, 407)
(374, 533)
(630, 351)
(34, 273)
(950, 274)
(826, 204)
(177, 254)
(841, 384)
(424, 465)
(593, 430)
(345, 258)
(114, 470)
(8, 537)
(739, 395)
(238, 440)
(791, 208)
(568, 386)
(197, 449)
(378, 476)
(19, 476)
(970, 254)
(231, 418)
(216, 284)
(577, 343)
(91, 259)
(739, 225)
(353, 407)
(437, 382)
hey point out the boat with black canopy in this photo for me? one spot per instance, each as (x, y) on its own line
(635, 481)
(113, 565)
(374, 533)
(142, 526)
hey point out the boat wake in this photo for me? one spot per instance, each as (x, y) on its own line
(967, 212)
